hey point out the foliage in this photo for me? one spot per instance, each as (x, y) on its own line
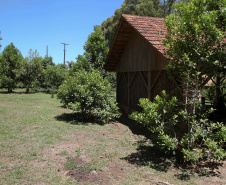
(69, 64)
(47, 61)
(32, 54)
(96, 48)
(162, 119)
(209, 93)
(88, 93)
(95, 53)
(153, 8)
(200, 139)
(30, 71)
(81, 63)
(196, 43)
(94, 56)
(10, 63)
(167, 6)
(53, 77)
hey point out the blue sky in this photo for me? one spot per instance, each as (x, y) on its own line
(37, 23)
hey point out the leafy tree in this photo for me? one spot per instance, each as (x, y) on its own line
(30, 71)
(63, 66)
(95, 53)
(88, 93)
(54, 77)
(47, 61)
(96, 48)
(167, 6)
(9, 65)
(32, 54)
(196, 41)
(69, 64)
(81, 63)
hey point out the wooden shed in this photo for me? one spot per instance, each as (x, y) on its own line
(138, 57)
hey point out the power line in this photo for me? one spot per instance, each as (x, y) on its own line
(64, 50)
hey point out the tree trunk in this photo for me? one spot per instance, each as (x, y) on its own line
(10, 90)
(27, 90)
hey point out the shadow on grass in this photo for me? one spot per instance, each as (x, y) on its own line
(133, 126)
(15, 92)
(204, 169)
(76, 118)
(146, 154)
(150, 156)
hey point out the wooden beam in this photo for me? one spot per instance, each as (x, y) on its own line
(132, 79)
(125, 78)
(156, 80)
(128, 90)
(119, 78)
(146, 85)
(149, 84)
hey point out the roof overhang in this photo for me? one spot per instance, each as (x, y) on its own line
(118, 46)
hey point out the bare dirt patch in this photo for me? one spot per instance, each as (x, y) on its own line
(122, 161)
(105, 176)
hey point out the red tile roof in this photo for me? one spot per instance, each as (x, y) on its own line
(151, 28)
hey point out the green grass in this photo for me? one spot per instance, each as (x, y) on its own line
(39, 140)
(27, 128)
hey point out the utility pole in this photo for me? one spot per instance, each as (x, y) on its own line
(64, 50)
(47, 50)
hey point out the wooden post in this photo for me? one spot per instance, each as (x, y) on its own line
(128, 89)
(149, 84)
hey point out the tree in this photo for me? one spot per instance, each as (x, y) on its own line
(30, 71)
(95, 53)
(54, 77)
(96, 48)
(32, 54)
(167, 6)
(196, 42)
(69, 64)
(47, 61)
(9, 65)
(81, 63)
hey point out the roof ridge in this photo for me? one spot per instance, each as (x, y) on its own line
(142, 16)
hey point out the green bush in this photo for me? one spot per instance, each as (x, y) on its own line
(176, 131)
(51, 78)
(89, 93)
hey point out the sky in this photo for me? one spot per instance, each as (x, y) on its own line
(34, 24)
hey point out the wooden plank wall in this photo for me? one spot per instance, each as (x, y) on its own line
(131, 86)
(139, 55)
(140, 73)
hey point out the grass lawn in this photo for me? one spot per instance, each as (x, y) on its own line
(42, 143)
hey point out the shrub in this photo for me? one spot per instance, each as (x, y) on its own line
(176, 131)
(89, 93)
(51, 78)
